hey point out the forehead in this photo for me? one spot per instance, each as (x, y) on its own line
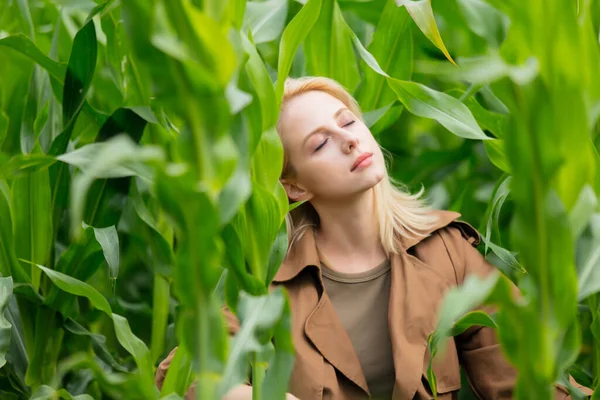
(308, 111)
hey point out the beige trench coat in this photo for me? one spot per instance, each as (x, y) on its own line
(326, 365)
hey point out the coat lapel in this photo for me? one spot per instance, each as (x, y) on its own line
(323, 327)
(415, 295)
(325, 330)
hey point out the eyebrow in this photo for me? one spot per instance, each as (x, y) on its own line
(321, 128)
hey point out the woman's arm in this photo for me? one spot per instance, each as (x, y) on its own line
(240, 392)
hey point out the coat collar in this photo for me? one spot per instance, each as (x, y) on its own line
(304, 253)
(416, 289)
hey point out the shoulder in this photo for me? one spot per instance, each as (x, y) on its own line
(450, 228)
(448, 246)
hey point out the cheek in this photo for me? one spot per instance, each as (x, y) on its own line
(320, 173)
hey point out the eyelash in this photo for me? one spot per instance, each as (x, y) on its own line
(321, 145)
(325, 141)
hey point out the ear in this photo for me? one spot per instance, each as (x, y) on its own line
(295, 191)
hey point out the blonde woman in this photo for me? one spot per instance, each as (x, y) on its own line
(367, 267)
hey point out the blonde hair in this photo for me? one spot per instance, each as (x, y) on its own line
(399, 213)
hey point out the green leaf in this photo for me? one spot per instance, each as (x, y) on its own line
(100, 10)
(455, 315)
(478, 318)
(16, 357)
(238, 99)
(256, 314)
(27, 131)
(431, 378)
(392, 47)
(26, 17)
(264, 218)
(203, 40)
(32, 220)
(582, 211)
(448, 111)
(116, 158)
(507, 257)
(328, 47)
(126, 338)
(196, 222)
(77, 287)
(159, 237)
(45, 392)
(120, 154)
(484, 20)
(109, 241)
(496, 154)
(235, 256)
(179, 374)
(25, 46)
(98, 343)
(294, 34)
(265, 20)
(102, 206)
(80, 70)
(115, 385)
(459, 301)
(172, 396)
(491, 222)
(42, 363)
(295, 205)
(589, 277)
(160, 315)
(369, 11)
(56, 70)
(499, 196)
(139, 351)
(267, 161)
(235, 192)
(259, 76)
(40, 121)
(6, 291)
(422, 13)
(482, 70)
(80, 260)
(277, 254)
(22, 164)
(9, 264)
(488, 120)
(3, 126)
(425, 102)
(276, 381)
(570, 345)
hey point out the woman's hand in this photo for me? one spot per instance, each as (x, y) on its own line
(244, 392)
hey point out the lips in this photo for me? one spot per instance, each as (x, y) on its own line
(360, 159)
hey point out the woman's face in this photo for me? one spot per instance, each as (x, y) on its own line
(332, 152)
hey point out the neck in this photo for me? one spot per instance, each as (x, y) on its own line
(348, 234)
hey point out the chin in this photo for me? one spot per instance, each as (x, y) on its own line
(377, 174)
(371, 180)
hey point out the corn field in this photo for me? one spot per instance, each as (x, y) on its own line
(140, 165)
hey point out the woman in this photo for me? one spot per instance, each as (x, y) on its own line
(367, 267)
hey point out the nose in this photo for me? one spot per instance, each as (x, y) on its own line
(349, 142)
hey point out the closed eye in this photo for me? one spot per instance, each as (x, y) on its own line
(321, 145)
(349, 123)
